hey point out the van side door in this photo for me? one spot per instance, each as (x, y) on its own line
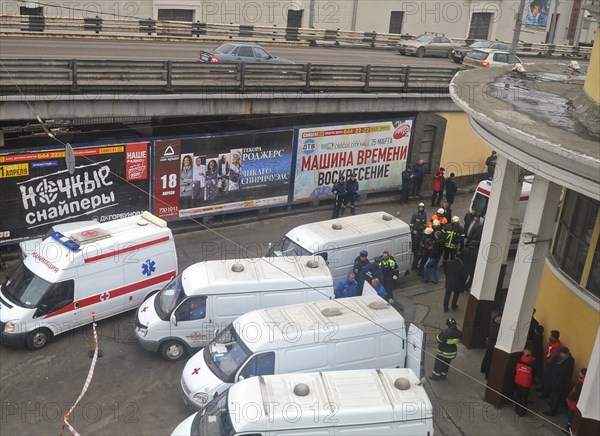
(58, 308)
(191, 322)
(259, 364)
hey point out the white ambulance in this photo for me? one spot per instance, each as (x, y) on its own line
(382, 402)
(207, 296)
(339, 241)
(481, 198)
(99, 268)
(346, 333)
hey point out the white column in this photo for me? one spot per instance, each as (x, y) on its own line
(529, 264)
(589, 400)
(495, 239)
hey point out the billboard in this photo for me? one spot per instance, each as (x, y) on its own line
(37, 191)
(376, 152)
(538, 13)
(213, 174)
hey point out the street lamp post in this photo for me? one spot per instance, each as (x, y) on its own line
(516, 33)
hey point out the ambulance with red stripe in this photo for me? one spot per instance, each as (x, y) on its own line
(99, 268)
(481, 198)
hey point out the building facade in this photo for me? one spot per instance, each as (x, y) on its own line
(558, 21)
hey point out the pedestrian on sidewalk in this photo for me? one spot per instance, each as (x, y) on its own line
(451, 189)
(425, 247)
(431, 269)
(492, 332)
(407, 184)
(418, 223)
(419, 169)
(455, 281)
(447, 340)
(351, 195)
(438, 187)
(561, 380)
(490, 162)
(524, 373)
(550, 358)
(339, 193)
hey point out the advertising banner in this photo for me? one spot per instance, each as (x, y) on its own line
(211, 174)
(37, 191)
(375, 152)
(537, 15)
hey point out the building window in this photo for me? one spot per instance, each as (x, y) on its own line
(427, 144)
(396, 19)
(574, 236)
(593, 284)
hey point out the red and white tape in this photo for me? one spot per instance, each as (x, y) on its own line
(88, 380)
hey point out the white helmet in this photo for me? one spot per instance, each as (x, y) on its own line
(436, 223)
(440, 210)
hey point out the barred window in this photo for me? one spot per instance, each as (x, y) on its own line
(574, 237)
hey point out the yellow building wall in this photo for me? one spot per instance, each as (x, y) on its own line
(558, 308)
(463, 153)
(592, 81)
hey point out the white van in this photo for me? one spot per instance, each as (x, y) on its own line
(102, 269)
(481, 198)
(348, 333)
(382, 402)
(339, 241)
(208, 296)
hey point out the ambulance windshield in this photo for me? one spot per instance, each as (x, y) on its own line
(24, 288)
(226, 354)
(215, 420)
(287, 247)
(168, 299)
(480, 204)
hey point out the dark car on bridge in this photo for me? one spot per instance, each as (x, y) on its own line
(241, 52)
(458, 54)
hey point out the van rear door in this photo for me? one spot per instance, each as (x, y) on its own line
(415, 350)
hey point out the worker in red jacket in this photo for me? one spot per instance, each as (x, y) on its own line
(524, 373)
(573, 398)
(550, 357)
(438, 187)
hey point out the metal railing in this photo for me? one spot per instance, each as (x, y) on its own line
(184, 30)
(39, 77)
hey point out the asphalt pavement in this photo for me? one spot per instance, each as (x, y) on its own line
(134, 392)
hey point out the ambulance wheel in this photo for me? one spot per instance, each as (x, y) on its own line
(38, 339)
(172, 351)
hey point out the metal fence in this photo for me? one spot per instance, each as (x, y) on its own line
(96, 26)
(37, 77)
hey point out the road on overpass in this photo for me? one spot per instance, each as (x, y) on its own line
(89, 48)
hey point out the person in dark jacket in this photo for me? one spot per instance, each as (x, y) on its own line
(371, 271)
(360, 262)
(407, 184)
(447, 340)
(562, 372)
(524, 373)
(455, 281)
(419, 169)
(490, 163)
(451, 189)
(418, 223)
(438, 187)
(351, 194)
(339, 192)
(389, 271)
(425, 247)
(492, 332)
(433, 262)
(573, 397)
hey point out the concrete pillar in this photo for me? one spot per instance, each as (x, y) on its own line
(587, 414)
(493, 251)
(538, 228)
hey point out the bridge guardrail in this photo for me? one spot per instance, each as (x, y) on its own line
(38, 76)
(192, 31)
